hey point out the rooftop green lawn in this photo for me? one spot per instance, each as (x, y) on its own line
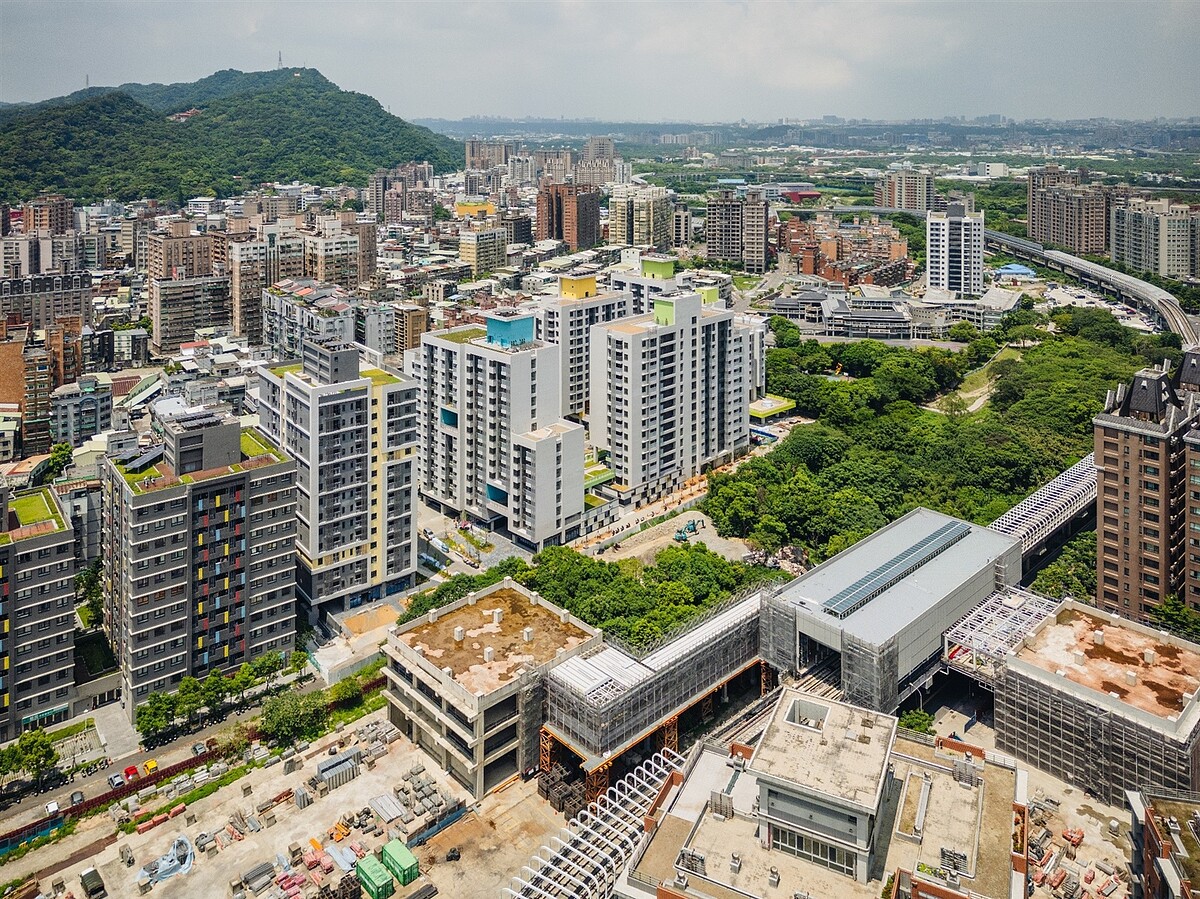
(464, 336)
(280, 370)
(35, 508)
(379, 377)
(253, 445)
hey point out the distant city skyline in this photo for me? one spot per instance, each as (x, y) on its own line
(641, 61)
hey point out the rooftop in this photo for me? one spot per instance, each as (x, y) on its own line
(379, 377)
(461, 335)
(35, 514)
(257, 451)
(1185, 837)
(1165, 670)
(896, 575)
(845, 749)
(512, 653)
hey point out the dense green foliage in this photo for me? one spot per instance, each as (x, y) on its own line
(1004, 204)
(33, 752)
(1174, 615)
(917, 720)
(291, 716)
(875, 454)
(634, 603)
(107, 144)
(1073, 573)
(89, 591)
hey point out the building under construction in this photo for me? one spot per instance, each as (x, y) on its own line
(880, 608)
(1101, 702)
(607, 702)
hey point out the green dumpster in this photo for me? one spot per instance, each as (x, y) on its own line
(400, 861)
(374, 877)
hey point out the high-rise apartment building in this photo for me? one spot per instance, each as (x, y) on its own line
(485, 250)
(1070, 217)
(567, 320)
(411, 322)
(723, 231)
(81, 409)
(37, 572)
(1043, 178)
(756, 257)
(199, 553)
(599, 148)
(1143, 469)
(681, 233)
(40, 301)
(179, 306)
(340, 250)
(395, 204)
(1157, 236)
(301, 309)
(954, 250)
(640, 216)
(518, 228)
(495, 446)
(522, 170)
(178, 252)
(353, 431)
(49, 212)
(669, 393)
(275, 254)
(905, 190)
(570, 213)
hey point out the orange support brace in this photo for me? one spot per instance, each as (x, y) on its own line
(596, 783)
(545, 750)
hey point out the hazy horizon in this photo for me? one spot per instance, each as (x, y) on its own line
(653, 61)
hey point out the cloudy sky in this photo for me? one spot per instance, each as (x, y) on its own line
(649, 60)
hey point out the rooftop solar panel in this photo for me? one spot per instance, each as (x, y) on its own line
(151, 455)
(856, 595)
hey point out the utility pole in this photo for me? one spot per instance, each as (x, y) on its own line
(280, 65)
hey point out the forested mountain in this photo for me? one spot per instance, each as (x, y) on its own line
(252, 127)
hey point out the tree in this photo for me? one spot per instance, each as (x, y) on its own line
(290, 717)
(1173, 614)
(962, 332)
(917, 720)
(10, 759)
(267, 665)
(89, 592)
(441, 213)
(242, 681)
(37, 752)
(156, 715)
(189, 697)
(214, 691)
(60, 458)
(346, 693)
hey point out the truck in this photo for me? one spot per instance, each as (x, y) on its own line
(93, 886)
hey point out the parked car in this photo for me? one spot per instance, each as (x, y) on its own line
(77, 797)
(51, 808)
(116, 781)
(199, 749)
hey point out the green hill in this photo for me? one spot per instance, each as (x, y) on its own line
(253, 127)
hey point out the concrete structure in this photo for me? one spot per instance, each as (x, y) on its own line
(568, 321)
(496, 446)
(48, 212)
(275, 254)
(353, 432)
(723, 222)
(298, 310)
(681, 226)
(1071, 217)
(881, 606)
(906, 190)
(1158, 236)
(954, 250)
(41, 300)
(199, 554)
(640, 216)
(1142, 484)
(1166, 850)
(411, 322)
(465, 682)
(854, 802)
(570, 213)
(670, 393)
(1103, 703)
(1044, 178)
(179, 307)
(81, 410)
(599, 147)
(178, 252)
(649, 275)
(485, 250)
(756, 257)
(37, 570)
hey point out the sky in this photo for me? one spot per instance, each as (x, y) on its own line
(649, 60)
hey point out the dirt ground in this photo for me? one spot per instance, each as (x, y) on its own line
(645, 545)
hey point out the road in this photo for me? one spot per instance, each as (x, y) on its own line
(33, 806)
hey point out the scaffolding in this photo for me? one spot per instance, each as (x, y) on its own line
(601, 703)
(978, 643)
(586, 859)
(1050, 507)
